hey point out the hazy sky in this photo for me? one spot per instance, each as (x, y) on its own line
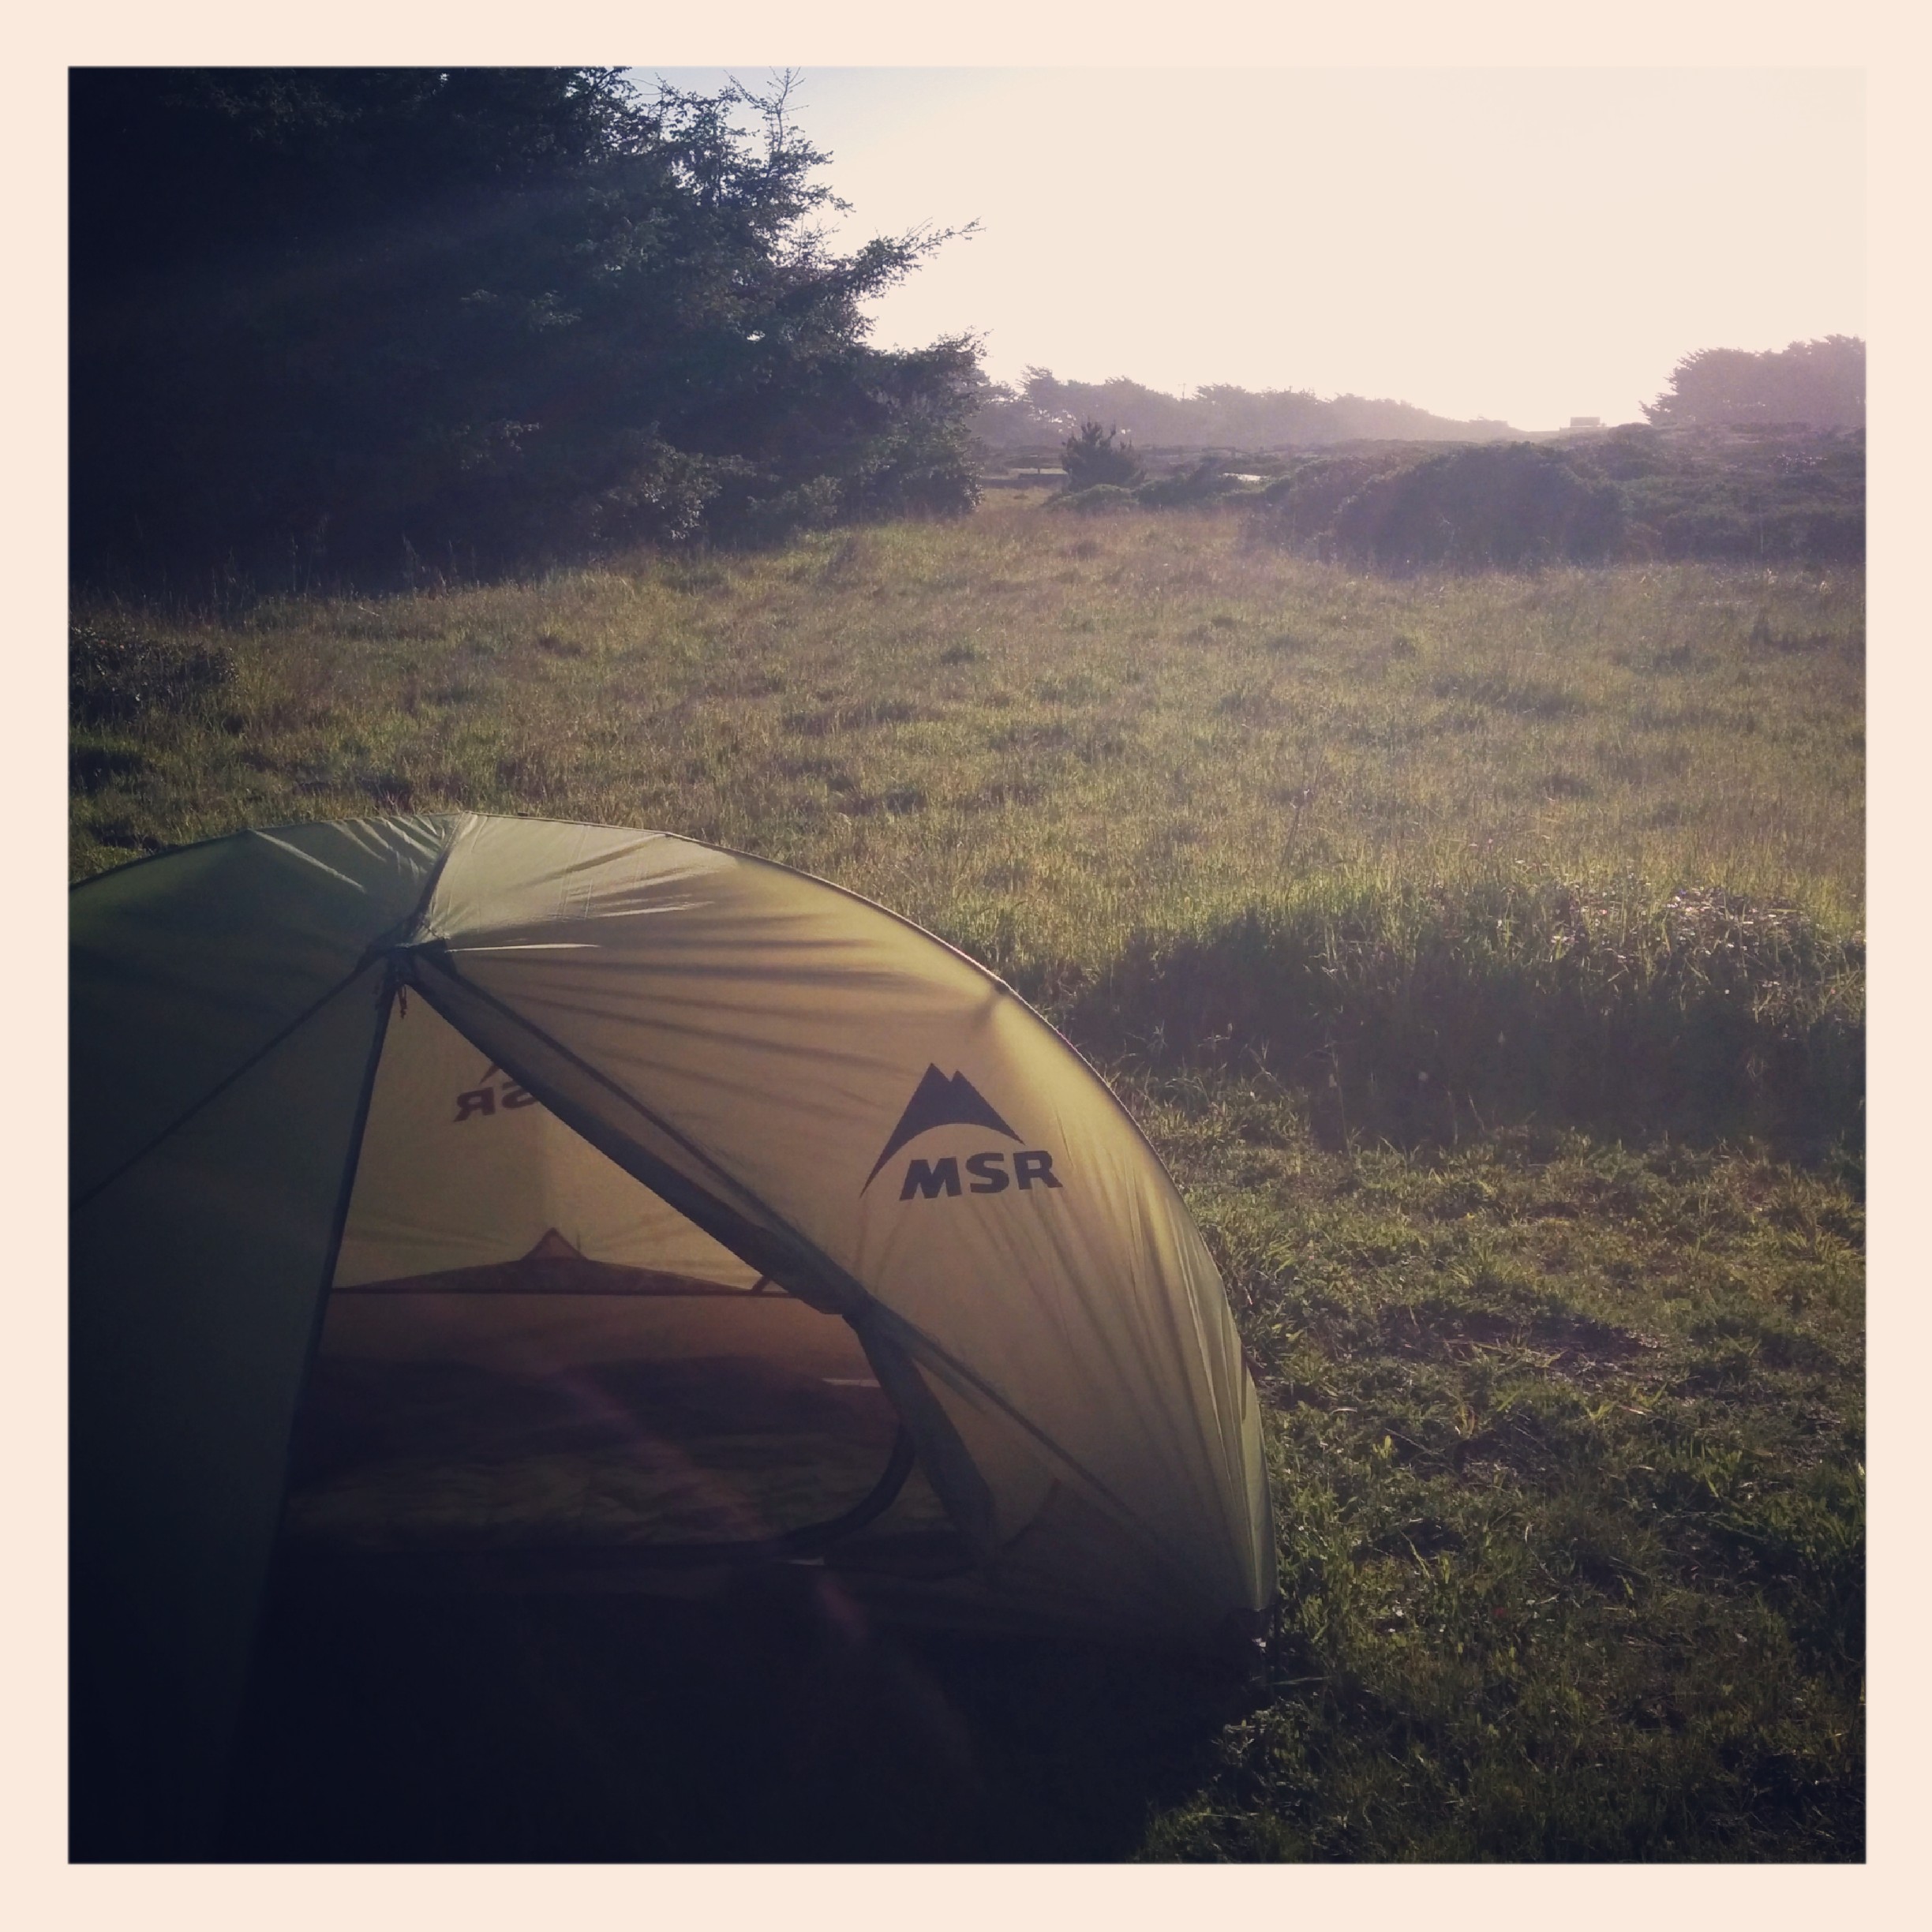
(1526, 245)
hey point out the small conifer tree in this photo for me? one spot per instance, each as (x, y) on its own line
(1094, 456)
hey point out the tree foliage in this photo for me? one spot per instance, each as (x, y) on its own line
(479, 317)
(1820, 383)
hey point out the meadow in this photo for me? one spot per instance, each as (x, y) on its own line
(1483, 953)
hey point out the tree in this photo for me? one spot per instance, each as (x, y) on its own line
(1820, 382)
(1093, 456)
(481, 317)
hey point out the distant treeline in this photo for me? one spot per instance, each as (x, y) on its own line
(353, 324)
(1044, 411)
(1818, 384)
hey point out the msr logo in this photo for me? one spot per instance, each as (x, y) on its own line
(940, 1101)
(481, 1100)
(929, 1179)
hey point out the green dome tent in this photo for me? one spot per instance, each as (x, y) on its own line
(551, 1198)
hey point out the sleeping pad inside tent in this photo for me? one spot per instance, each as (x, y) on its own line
(563, 1206)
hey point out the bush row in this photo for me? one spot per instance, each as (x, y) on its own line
(1421, 1014)
(1793, 496)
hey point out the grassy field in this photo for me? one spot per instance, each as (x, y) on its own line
(1485, 956)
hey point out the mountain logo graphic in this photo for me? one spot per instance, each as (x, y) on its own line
(937, 1102)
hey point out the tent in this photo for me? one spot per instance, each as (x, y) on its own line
(562, 1202)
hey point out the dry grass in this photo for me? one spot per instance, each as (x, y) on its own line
(1083, 728)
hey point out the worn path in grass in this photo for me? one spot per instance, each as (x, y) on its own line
(1485, 956)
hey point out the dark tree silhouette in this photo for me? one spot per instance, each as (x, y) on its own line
(479, 317)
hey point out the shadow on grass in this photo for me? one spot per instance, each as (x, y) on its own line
(774, 1721)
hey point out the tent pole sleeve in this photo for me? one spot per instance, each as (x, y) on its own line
(385, 1005)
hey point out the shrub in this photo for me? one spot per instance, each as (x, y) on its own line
(1206, 481)
(1094, 457)
(1794, 496)
(1302, 506)
(1791, 496)
(1099, 500)
(1503, 506)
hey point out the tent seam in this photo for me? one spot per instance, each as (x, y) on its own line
(220, 1087)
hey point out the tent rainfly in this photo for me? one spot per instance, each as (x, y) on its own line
(726, 1216)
